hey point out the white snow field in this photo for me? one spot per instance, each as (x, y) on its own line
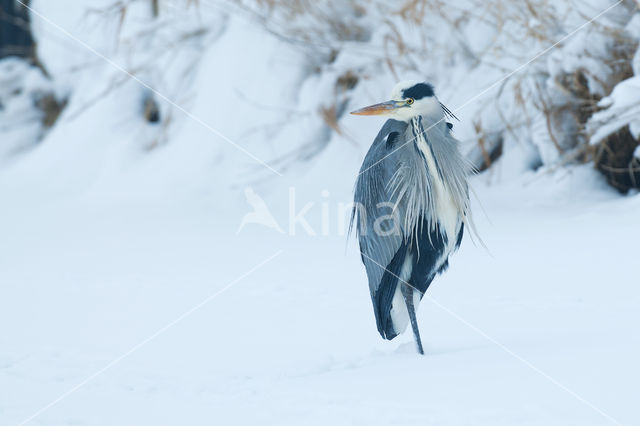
(128, 296)
(542, 331)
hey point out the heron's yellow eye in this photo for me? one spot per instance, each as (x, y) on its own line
(410, 101)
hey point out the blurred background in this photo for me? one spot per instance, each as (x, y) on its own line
(175, 180)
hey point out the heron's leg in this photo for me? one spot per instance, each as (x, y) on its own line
(407, 292)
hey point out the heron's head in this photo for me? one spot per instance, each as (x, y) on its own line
(408, 99)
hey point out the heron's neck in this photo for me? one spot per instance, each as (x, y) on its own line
(424, 123)
(419, 136)
(442, 158)
(419, 131)
(416, 124)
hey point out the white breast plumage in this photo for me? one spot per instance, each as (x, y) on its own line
(446, 211)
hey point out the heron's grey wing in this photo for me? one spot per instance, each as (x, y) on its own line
(381, 241)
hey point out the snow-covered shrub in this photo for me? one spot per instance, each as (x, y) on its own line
(28, 105)
(535, 82)
(615, 129)
(159, 44)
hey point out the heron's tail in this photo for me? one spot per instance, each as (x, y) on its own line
(382, 304)
(388, 303)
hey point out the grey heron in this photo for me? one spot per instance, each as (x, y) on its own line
(411, 204)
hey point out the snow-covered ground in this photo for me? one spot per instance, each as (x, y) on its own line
(129, 296)
(542, 331)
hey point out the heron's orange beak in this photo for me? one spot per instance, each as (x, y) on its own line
(383, 108)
